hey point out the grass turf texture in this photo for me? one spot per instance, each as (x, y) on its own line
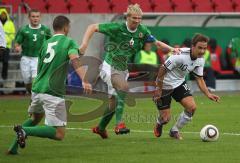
(80, 145)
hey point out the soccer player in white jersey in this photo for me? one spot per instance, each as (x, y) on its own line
(170, 83)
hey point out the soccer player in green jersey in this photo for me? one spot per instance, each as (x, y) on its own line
(29, 40)
(125, 39)
(49, 87)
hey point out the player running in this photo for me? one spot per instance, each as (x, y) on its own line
(125, 39)
(171, 83)
(28, 41)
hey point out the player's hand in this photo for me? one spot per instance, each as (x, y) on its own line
(83, 48)
(87, 87)
(157, 95)
(176, 51)
(18, 49)
(214, 97)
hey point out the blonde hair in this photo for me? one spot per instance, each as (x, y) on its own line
(134, 9)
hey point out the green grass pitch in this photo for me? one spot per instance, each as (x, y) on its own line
(80, 145)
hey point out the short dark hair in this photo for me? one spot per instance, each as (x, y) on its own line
(31, 11)
(199, 38)
(60, 22)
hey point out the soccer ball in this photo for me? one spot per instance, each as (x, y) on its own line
(209, 133)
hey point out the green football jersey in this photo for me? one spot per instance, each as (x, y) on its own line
(122, 44)
(53, 64)
(31, 39)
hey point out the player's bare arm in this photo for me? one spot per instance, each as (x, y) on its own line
(80, 70)
(162, 45)
(204, 89)
(159, 83)
(87, 36)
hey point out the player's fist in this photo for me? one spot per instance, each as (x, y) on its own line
(176, 51)
(87, 87)
(18, 49)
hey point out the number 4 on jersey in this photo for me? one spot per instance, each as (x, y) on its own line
(51, 51)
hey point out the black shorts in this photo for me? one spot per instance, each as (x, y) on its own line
(178, 94)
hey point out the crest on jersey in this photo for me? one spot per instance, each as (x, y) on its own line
(131, 42)
(42, 32)
(140, 35)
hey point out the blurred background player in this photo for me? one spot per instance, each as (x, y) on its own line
(171, 83)
(2, 40)
(49, 88)
(234, 51)
(149, 57)
(9, 29)
(28, 41)
(128, 37)
(209, 75)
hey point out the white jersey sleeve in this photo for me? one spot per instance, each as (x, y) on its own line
(198, 71)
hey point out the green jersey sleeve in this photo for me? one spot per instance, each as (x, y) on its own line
(109, 29)
(74, 48)
(19, 36)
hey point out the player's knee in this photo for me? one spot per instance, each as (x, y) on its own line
(112, 103)
(123, 87)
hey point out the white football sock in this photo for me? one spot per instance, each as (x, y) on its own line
(183, 119)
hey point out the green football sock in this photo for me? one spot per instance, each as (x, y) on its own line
(120, 106)
(41, 131)
(105, 119)
(14, 146)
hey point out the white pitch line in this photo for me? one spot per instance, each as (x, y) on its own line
(137, 131)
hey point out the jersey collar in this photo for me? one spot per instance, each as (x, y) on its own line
(58, 34)
(39, 26)
(193, 59)
(129, 30)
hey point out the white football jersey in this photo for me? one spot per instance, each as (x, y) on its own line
(178, 66)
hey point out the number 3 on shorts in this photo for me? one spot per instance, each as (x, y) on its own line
(51, 51)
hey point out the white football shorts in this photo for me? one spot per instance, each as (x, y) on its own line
(54, 108)
(106, 71)
(28, 67)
